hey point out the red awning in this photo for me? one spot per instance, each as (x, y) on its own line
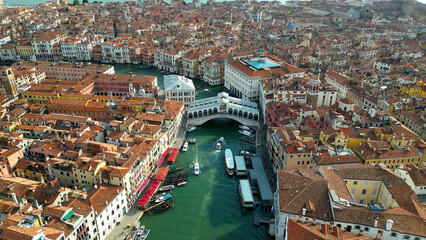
(163, 157)
(149, 193)
(144, 184)
(173, 155)
(162, 174)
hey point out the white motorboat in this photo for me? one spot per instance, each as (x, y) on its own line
(138, 233)
(145, 234)
(185, 147)
(246, 133)
(196, 168)
(229, 162)
(163, 198)
(219, 143)
(192, 129)
(242, 127)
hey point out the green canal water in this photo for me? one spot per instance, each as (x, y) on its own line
(208, 206)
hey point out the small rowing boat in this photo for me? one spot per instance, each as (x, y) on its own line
(181, 184)
(167, 188)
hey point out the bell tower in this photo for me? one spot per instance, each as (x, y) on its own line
(8, 82)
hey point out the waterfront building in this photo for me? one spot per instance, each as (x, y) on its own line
(243, 77)
(44, 45)
(212, 70)
(190, 65)
(67, 70)
(77, 49)
(109, 204)
(355, 198)
(288, 150)
(179, 88)
(25, 51)
(115, 52)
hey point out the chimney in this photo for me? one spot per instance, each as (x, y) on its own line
(376, 221)
(379, 235)
(361, 232)
(389, 224)
(40, 220)
(331, 224)
(306, 220)
(300, 218)
(337, 232)
(15, 199)
(106, 202)
(314, 221)
(303, 211)
(325, 229)
(95, 186)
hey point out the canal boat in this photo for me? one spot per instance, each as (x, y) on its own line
(175, 170)
(242, 127)
(163, 198)
(219, 143)
(145, 66)
(196, 168)
(185, 147)
(137, 235)
(246, 133)
(145, 234)
(161, 207)
(192, 129)
(229, 162)
(167, 188)
(181, 184)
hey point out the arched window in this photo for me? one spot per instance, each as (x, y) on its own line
(245, 115)
(230, 111)
(255, 117)
(200, 114)
(215, 110)
(250, 116)
(210, 111)
(240, 113)
(235, 112)
(190, 115)
(205, 113)
(195, 115)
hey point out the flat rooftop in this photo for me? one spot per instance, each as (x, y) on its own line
(262, 63)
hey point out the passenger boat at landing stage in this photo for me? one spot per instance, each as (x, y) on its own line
(229, 162)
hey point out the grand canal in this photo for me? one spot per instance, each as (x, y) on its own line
(208, 206)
